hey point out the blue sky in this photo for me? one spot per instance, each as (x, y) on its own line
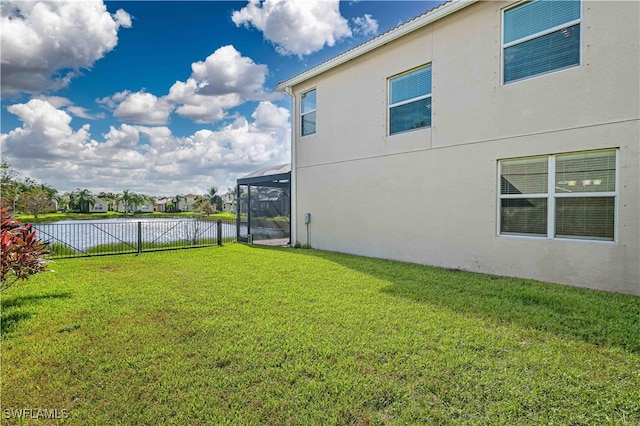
(164, 97)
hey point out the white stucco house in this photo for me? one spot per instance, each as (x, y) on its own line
(505, 134)
(229, 201)
(99, 206)
(186, 203)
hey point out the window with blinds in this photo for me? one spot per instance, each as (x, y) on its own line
(410, 100)
(540, 36)
(308, 112)
(560, 196)
(585, 191)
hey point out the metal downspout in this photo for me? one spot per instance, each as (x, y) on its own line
(294, 192)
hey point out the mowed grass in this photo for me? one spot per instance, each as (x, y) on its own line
(248, 335)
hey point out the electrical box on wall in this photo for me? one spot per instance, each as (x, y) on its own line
(307, 218)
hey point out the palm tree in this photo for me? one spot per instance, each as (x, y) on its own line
(116, 202)
(110, 198)
(82, 200)
(63, 201)
(127, 199)
(136, 200)
(176, 202)
(86, 200)
(212, 192)
(215, 200)
(73, 201)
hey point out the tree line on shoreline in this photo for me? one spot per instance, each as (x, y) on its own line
(25, 195)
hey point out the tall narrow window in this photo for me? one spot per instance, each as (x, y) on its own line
(540, 36)
(560, 196)
(308, 112)
(410, 100)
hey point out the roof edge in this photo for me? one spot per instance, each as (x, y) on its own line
(412, 25)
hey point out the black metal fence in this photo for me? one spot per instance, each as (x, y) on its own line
(91, 238)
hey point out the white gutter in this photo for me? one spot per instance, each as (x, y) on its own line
(444, 10)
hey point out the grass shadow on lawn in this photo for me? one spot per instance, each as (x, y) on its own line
(13, 312)
(596, 317)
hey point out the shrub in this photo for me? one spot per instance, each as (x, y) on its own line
(22, 251)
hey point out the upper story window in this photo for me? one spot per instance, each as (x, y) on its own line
(410, 100)
(308, 112)
(560, 196)
(540, 36)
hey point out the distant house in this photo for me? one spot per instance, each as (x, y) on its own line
(100, 206)
(186, 204)
(161, 204)
(500, 137)
(229, 201)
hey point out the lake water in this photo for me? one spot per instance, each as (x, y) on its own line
(81, 235)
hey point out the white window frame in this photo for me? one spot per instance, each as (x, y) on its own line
(302, 114)
(551, 195)
(407, 101)
(536, 35)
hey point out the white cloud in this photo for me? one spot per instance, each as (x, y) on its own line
(141, 158)
(122, 18)
(113, 100)
(226, 71)
(55, 101)
(45, 133)
(200, 108)
(295, 27)
(67, 105)
(142, 108)
(365, 25)
(46, 44)
(81, 112)
(224, 80)
(268, 116)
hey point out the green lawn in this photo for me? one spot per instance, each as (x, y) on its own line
(248, 335)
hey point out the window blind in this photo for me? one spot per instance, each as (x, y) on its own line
(580, 201)
(411, 85)
(557, 50)
(524, 176)
(586, 172)
(538, 16)
(523, 216)
(585, 216)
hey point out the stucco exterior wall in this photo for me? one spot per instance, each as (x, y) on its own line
(431, 195)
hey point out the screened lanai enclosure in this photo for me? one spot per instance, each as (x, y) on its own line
(264, 206)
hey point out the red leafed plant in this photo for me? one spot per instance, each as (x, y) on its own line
(22, 250)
